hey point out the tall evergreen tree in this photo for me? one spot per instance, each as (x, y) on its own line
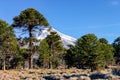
(88, 51)
(8, 42)
(56, 49)
(116, 45)
(107, 51)
(30, 20)
(44, 54)
(24, 50)
(71, 57)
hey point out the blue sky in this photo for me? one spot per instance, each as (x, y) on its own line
(72, 17)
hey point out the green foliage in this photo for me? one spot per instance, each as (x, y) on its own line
(24, 53)
(8, 42)
(30, 20)
(116, 45)
(16, 62)
(103, 40)
(56, 49)
(71, 57)
(90, 52)
(44, 54)
(107, 50)
(19, 60)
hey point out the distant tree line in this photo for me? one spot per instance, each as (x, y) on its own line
(88, 53)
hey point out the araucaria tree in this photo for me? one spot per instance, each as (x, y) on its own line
(30, 20)
(56, 49)
(90, 52)
(44, 57)
(116, 45)
(107, 50)
(8, 43)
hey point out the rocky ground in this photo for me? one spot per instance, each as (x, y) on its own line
(60, 74)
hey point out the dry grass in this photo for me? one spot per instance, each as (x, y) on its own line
(118, 67)
(38, 74)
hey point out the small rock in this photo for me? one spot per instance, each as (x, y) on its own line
(74, 78)
(84, 78)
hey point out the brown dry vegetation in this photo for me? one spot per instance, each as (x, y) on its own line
(55, 74)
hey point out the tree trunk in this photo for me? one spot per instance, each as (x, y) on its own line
(23, 64)
(93, 67)
(30, 62)
(26, 64)
(50, 63)
(30, 47)
(4, 65)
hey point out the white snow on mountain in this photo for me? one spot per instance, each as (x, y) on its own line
(66, 40)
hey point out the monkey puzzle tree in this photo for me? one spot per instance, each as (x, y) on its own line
(30, 20)
(56, 49)
(8, 42)
(44, 57)
(71, 57)
(107, 50)
(116, 45)
(88, 51)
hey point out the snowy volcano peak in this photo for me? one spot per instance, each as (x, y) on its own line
(65, 39)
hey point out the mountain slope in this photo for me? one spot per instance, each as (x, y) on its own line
(65, 39)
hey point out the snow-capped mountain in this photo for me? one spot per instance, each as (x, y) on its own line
(65, 39)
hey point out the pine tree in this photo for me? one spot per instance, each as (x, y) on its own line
(56, 49)
(30, 20)
(107, 51)
(8, 42)
(71, 57)
(88, 53)
(44, 54)
(116, 45)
